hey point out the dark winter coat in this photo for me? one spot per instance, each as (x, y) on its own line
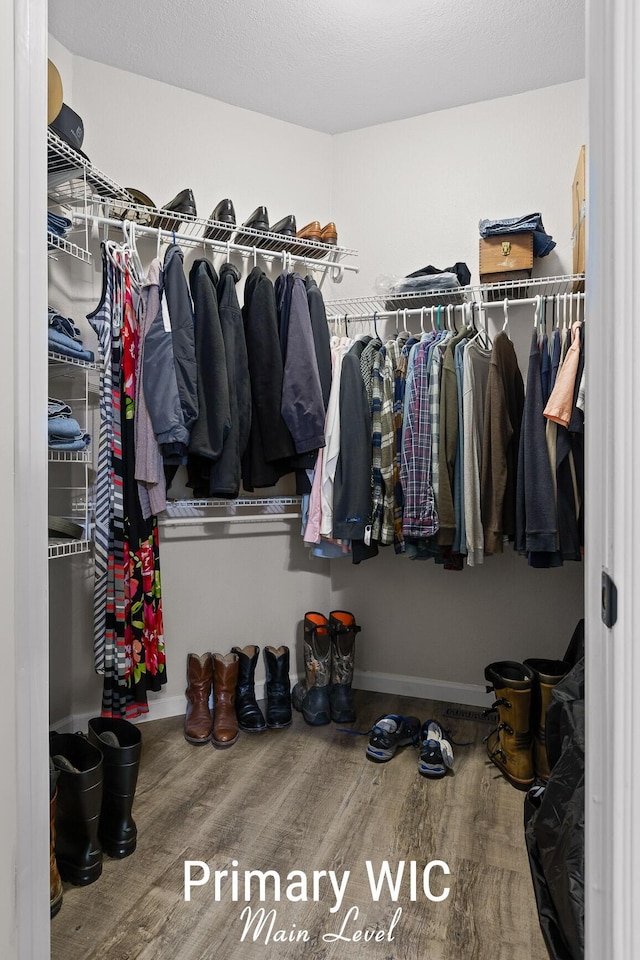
(270, 444)
(182, 333)
(214, 413)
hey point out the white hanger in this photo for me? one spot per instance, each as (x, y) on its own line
(536, 312)
(505, 307)
(422, 313)
(433, 324)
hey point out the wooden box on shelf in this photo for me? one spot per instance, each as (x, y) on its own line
(508, 256)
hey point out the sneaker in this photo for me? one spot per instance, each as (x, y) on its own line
(390, 732)
(436, 752)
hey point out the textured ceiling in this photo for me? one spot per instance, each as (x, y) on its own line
(333, 65)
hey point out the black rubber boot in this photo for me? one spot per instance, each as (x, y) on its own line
(249, 714)
(278, 687)
(344, 629)
(121, 745)
(78, 802)
(311, 696)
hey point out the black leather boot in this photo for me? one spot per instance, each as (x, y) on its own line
(278, 687)
(249, 714)
(343, 627)
(78, 802)
(121, 745)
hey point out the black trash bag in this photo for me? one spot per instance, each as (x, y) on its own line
(554, 824)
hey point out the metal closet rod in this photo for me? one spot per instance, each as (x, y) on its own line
(221, 246)
(199, 521)
(402, 312)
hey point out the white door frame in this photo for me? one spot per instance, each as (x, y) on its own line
(613, 479)
(30, 832)
(613, 476)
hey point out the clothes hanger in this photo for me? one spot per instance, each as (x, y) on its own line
(536, 313)
(433, 323)
(438, 316)
(505, 307)
(375, 324)
(423, 310)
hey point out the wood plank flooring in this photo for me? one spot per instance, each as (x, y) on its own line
(306, 799)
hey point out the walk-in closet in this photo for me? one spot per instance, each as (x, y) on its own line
(145, 158)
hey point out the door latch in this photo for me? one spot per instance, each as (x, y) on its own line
(609, 600)
(506, 248)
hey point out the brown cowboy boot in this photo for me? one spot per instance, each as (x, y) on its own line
(311, 695)
(55, 883)
(197, 722)
(547, 674)
(225, 679)
(509, 746)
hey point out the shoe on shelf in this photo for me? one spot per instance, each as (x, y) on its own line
(183, 203)
(258, 220)
(390, 732)
(222, 213)
(436, 752)
(311, 231)
(124, 212)
(286, 228)
(329, 234)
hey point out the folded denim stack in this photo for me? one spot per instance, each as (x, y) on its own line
(58, 225)
(65, 433)
(65, 338)
(543, 243)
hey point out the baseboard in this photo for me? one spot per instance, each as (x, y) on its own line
(161, 707)
(445, 691)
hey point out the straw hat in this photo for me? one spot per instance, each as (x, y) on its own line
(54, 92)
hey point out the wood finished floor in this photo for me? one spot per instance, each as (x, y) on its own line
(307, 799)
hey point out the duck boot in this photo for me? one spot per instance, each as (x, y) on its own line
(248, 713)
(121, 745)
(198, 723)
(311, 695)
(78, 803)
(278, 687)
(343, 629)
(509, 746)
(547, 673)
(225, 681)
(55, 881)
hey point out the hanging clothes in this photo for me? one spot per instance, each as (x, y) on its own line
(149, 469)
(475, 376)
(448, 431)
(504, 404)
(270, 445)
(128, 638)
(213, 423)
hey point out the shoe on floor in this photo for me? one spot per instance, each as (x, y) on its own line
(390, 732)
(436, 752)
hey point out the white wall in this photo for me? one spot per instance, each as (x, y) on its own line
(411, 193)
(405, 194)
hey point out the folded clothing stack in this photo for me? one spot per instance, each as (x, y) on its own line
(431, 279)
(65, 433)
(58, 225)
(543, 243)
(65, 338)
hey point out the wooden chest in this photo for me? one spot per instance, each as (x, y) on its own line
(506, 257)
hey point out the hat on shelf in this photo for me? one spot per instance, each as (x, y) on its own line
(54, 91)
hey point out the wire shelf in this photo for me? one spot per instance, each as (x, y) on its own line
(241, 510)
(368, 307)
(72, 249)
(196, 229)
(69, 456)
(61, 358)
(183, 507)
(72, 178)
(65, 548)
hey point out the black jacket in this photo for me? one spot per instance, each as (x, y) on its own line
(214, 413)
(225, 472)
(321, 338)
(182, 333)
(352, 487)
(270, 444)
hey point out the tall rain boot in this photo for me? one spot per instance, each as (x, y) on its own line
(248, 713)
(509, 746)
(343, 628)
(225, 680)
(547, 674)
(311, 695)
(55, 882)
(278, 687)
(78, 803)
(198, 722)
(121, 745)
